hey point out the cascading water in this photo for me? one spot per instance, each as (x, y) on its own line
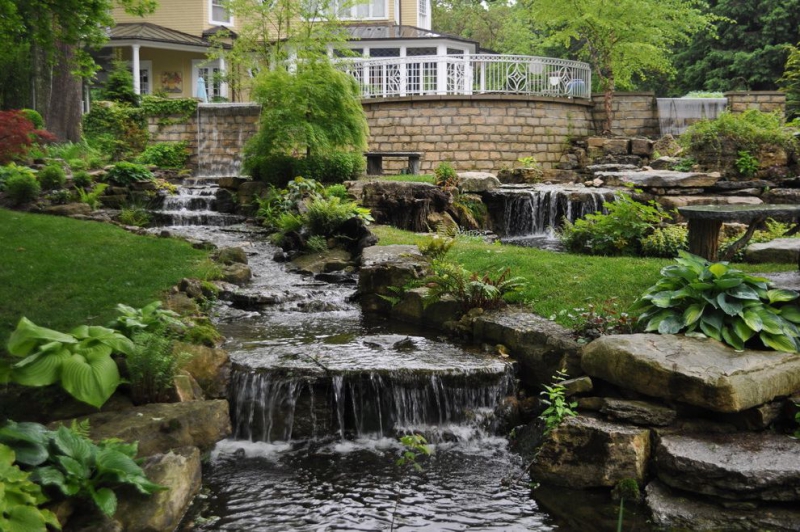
(194, 204)
(677, 114)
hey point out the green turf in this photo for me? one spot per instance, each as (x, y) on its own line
(60, 272)
(559, 281)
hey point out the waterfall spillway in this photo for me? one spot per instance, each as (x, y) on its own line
(677, 114)
(540, 211)
(195, 203)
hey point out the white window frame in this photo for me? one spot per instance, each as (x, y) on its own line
(197, 64)
(145, 65)
(423, 8)
(370, 16)
(211, 20)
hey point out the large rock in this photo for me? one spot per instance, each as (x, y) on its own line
(477, 181)
(704, 373)
(383, 267)
(69, 209)
(782, 250)
(237, 273)
(540, 346)
(179, 471)
(584, 452)
(642, 413)
(676, 511)
(659, 179)
(210, 367)
(313, 263)
(163, 426)
(674, 202)
(743, 466)
(405, 205)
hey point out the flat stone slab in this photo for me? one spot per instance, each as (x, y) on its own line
(743, 466)
(638, 412)
(676, 202)
(704, 373)
(383, 267)
(659, 178)
(781, 250)
(738, 213)
(585, 452)
(677, 511)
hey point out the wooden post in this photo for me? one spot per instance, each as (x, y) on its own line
(704, 238)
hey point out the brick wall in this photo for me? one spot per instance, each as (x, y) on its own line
(766, 101)
(635, 114)
(476, 132)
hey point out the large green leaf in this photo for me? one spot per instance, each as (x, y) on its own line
(670, 325)
(73, 445)
(28, 440)
(105, 499)
(753, 319)
(28, 335)
(741, 329)
(726, 283)
(693, 313)
(718, 269)
(711, 325)
(781, 295)
(732, 339)
(118, 467)
(23, 519)
(731, 307)
(790, 313)
(771, 323)
(778, 342)
(743, 291)
(41, 368)
(656, 320)
(662, 299)
(91, 380)
(113, 339)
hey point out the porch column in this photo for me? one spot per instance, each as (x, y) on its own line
(137, 89)
(223, 85)
(403, 72)
(441, 69)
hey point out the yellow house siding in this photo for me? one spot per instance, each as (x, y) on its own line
(188, 16)
(408, 10)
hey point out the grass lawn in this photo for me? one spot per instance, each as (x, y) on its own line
(61, 273)
(559, 281)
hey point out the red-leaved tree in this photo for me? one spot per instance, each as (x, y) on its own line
(17, 135)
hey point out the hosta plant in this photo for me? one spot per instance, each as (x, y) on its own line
(715, 300)
(21, 498)
(80, 360)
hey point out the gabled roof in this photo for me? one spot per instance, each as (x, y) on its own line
(377, 32)
(145, 31)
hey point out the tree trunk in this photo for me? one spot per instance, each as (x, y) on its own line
(62, 98)
(608, 94)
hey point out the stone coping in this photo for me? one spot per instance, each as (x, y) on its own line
(479, 97)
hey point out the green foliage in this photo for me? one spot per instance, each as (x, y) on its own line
(324, 215)
(59, 197)
(82, 179)
(34, 116)
(74, 466)
(721, 302)
(666, 241)
(790, 82)
(703, 94)
(445, 175)
(165, 155)
(92, 198)
(21, 498)
(118, 131)
(469, 289)
(336, 191)
(79, 361)
(436, 247)
(773, 229)
(796, 434)
(152, 367)
(470, 210)
(747, 131)
(52, 176)
(289, 222)
(202, 333)
(685, 164)
(169, 110)
(125, 173)
(119, 85)
(558, 407)
(134, 214)
(79, 155)
(746, 164)
(618, 232)
(278, 169)
(317, 244)
(594, 321)
(414, 447)
(20, 184)
(151, 318)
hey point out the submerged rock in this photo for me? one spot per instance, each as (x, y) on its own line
(383, 267)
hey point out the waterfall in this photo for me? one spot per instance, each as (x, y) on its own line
(194, 204)
(677, 114)
(541, 211)
(267, 406)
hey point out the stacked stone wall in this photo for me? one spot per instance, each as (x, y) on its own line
(766, 101)
(635, 114)
(476, 132)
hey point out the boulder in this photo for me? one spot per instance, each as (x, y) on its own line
(583, 452)
(540, 346)
(383, 267)
(477, 181)
(577, 386)
(782, 250)
(659, 178)
(520, 175)
(742, 466)
(210, 367)
(186, 388)
(159, 427)
(642, 147)
(405, 205)
(667, 145)
(700, 372)
(69, 209)
(179, 471)
(673, 510)
(313, 263)
(638, 412)
(782, 195)
(617, 146)
(237, 273)
(412, 309)
(230, 255)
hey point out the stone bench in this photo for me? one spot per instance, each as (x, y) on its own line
(375, 160)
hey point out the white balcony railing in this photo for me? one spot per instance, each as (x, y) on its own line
(389, 77)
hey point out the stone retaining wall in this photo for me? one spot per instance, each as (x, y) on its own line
(766, 101)
(635, 114)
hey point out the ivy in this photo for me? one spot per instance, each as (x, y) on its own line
(169, 111)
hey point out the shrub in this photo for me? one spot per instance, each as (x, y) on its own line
(470, 289)
(117, 131)
(77, 165)
(746, 164)
(34, 117)
(773, 229)
(151, 319)
(666, 241)
(336, 191)
(436, 247)
(746, 131)
(125, 173)
(22, 498)
(275, 170)
(618, 232)
(446, 175)
(715, 300)
(52, 176)
(92, 199)
(59, 197)
(279, 170)
(119, 85)
(82, 179)
(15, 136)
(152, 367)
(325, 215)
(685, 164)
(21, 186)
(165, 155)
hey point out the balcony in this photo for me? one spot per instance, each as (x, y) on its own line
(469, 74)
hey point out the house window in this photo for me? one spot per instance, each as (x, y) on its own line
(423, 8)
(220, 13)
(362, 9)
(211, 73)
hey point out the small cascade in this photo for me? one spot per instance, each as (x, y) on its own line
(539, 212)
(677, 114)
(270, 407)
(194, 204)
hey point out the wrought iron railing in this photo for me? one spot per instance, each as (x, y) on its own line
(388, 77)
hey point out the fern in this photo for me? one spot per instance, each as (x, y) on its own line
(470, 289)
(92, 199)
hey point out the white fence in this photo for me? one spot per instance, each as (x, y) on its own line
(388, 77)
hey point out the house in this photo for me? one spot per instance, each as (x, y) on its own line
(169, 49)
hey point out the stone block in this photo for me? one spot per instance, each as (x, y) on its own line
(617, 146)
(642, 147)
(780, 250)
(642, 413)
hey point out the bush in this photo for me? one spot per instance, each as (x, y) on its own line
(117, 131)
(119, 85)
(324, 215)
(746, 164)
(59, 197)
(275, 170)
(92, 199)
(125, 173)
(21, 186)
(619, 232)
(470, 289)
(152, 367)
(82, 179)
(747, 131)
(52, 176)
(165, 155)
(666, 242)
(336, 191)
(715, 300)
(21, 507)
(135, 215)
(34, 116)
(279, 170)
(446, 175)
(15, 136)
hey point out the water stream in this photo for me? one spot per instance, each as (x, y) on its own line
(319, 397)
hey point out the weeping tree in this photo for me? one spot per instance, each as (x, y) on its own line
(624, 39)
(790, 83)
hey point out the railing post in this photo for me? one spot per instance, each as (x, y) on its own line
(403, 69)
(467, 73)
(365, 78)
(483, 78)
(441, 69)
